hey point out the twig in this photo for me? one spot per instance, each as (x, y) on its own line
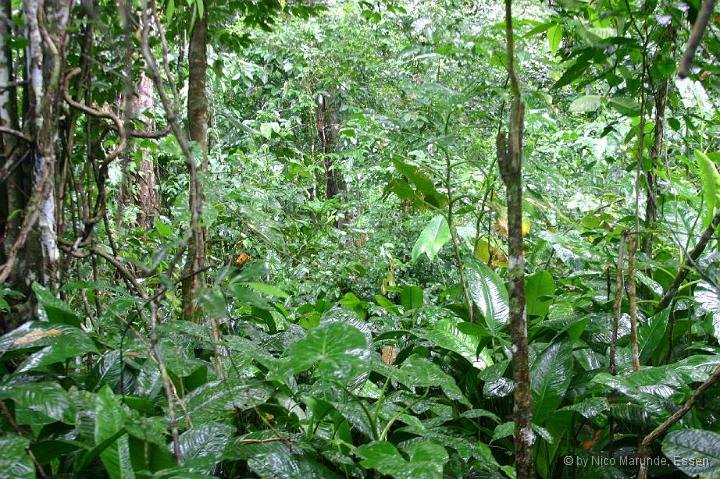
(662, 428)
(696, 35)
(687, 264)
(15, 133)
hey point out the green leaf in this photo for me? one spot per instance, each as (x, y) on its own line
(554, 36)
(411, 297)
(46, 398)
(488, 293)
(710, 186)
(58, 343)
(337, 350)
(445, 334)
(15, 463)
(537, 287)
(217, 398)
(288, 465)
(267, 289)
(550, 376)
(586, 104)
(202, 446)
(625, 106)
(417, 371)
(432, 238)
(170, 9)
(650, 335)
(694, 451)
(55, 310)
(267, 129)
(426, 459)
(109, 421)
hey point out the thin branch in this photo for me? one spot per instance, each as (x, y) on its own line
(701, 22)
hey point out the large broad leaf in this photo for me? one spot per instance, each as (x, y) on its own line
(694, 451)
(550, 377)
(445, 334)
(586, 104)
(285, 464)
(488, 293)
(432, 238)
(109, 422)
(625, 106)
(60, 342)
(55, 310)
(202, 446)
(337, 350)
(650, 335)
(708, 297)
(15, 462)
(426, 460)
(710, 186)
(417, 371)
(217, 398)
(538, 287)
(48, 400)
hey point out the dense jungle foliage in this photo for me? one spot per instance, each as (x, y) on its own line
(359, 239)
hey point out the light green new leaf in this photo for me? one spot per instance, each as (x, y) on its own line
(432, 238)
(15, 462)
(267, 129)
(550, 376)
(694, 451)
(537, 287)
(586, 104)
(109, 420)
(710, 186)
(554, 36)
(338, 350)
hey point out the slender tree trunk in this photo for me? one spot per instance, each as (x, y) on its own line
(510, 162)
(197, 120)
(651, 176)
(327, 126)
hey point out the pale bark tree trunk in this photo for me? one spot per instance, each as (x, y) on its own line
(510, 162)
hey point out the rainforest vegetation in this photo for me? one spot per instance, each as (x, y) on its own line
(404, 239)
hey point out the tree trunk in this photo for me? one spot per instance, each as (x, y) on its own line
(510, 163)
(651, 176)
(197, 107)
(327, 126)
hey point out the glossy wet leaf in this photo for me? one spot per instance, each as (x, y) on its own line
(14, 459)
(46, 398)
(550, 376)
(109, 421)
(445, 334)
(426, 460)
(694, 451)
(216, 399)
(335, 350)
(488, 293)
